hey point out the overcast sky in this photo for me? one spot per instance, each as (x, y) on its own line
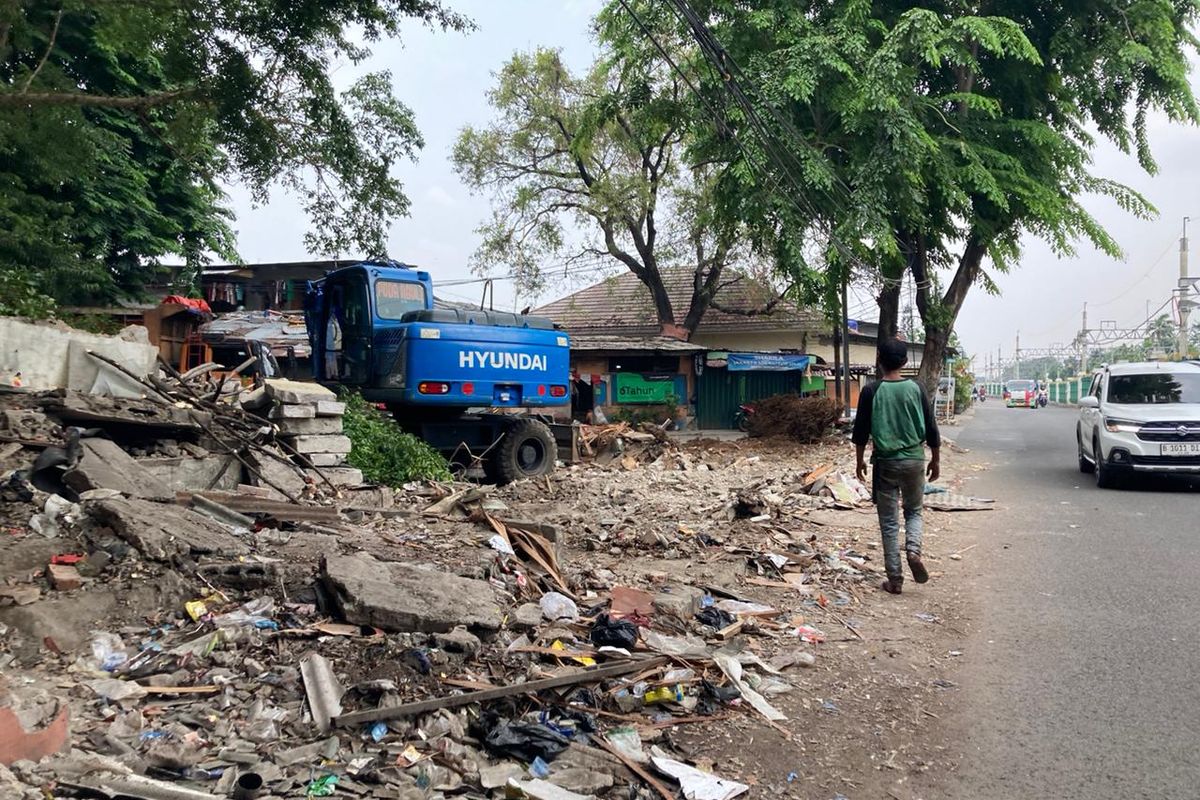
(443, 77)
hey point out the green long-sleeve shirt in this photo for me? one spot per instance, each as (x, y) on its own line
(896, 416)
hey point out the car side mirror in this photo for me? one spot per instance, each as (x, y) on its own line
(1089, 401)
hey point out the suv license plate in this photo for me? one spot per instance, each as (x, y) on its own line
(1181, 449)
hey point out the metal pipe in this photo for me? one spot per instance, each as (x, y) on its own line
(249, 785)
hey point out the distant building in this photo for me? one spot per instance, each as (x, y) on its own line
(731, 359)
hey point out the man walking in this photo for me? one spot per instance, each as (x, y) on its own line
(895, 415)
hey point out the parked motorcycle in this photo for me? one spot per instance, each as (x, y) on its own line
(741, 417)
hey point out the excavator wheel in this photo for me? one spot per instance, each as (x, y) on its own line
(527, 450)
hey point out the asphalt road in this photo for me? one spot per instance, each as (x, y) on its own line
(1081, 673)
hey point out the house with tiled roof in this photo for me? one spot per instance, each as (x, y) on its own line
(623, 356)
(622, 305)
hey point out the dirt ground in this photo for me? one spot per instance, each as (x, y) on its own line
(865, 720)
(746, 520)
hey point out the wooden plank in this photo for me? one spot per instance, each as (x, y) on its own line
(512, 690)
(182, 689)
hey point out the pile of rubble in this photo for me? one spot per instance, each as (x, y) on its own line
(442, 642)
(265, 626)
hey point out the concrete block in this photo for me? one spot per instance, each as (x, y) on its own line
(325, 460)
(285, 391)
(301, 411)
(330, 408)
(64, 577)
(681, 602)
(308, 427)
(104, 465)
(320, 443)
(399, 597)
(340, 476)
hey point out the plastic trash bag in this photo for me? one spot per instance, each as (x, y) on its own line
(556, 606)
(715, 618)
(520, 740)
(608, 632)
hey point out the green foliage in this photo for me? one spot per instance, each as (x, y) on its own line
(384, 452)
(637, 415)
(603, 154)
(21, 297)
(119, 120)
(93, 323)
(964, 383)
(930, 139)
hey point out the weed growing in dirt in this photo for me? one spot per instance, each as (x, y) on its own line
(384, 452)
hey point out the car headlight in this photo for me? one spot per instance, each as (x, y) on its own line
(1121, 426)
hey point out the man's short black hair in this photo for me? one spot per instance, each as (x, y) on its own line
(893, 354)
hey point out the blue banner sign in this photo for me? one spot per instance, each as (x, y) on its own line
(767, 362)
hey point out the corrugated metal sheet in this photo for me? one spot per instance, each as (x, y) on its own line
(720, 392)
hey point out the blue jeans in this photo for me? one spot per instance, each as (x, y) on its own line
(899, 482)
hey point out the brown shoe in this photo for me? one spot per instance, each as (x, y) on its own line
(892, 585)
(919, 573)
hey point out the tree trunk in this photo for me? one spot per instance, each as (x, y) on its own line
(889, 310)
(937, 341)
(939, 322)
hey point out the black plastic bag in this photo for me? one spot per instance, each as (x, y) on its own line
(608, 632)
(712, 697)
(523, 741)
(715, 618)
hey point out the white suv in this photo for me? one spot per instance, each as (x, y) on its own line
(1140, 418)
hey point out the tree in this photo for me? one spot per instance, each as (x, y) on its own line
(118, 121)
(1161, 335)
(930, 138)
(602, 154)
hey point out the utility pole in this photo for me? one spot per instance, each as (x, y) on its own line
(846, 344)
(1018, 367)
(1083, 353)
(1183, 292)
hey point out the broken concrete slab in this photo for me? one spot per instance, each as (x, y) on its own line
(164, 532)
(127, 414)
(335, 443)
(65, 619)
(104, 465)
(679, 601)
(459, 640)
(21, 595)
(187, 474)
(276, 473)
(399, 597)
(289, 392)
(315, 425)
(526, 616)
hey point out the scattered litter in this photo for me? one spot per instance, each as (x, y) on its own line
(697, 785)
